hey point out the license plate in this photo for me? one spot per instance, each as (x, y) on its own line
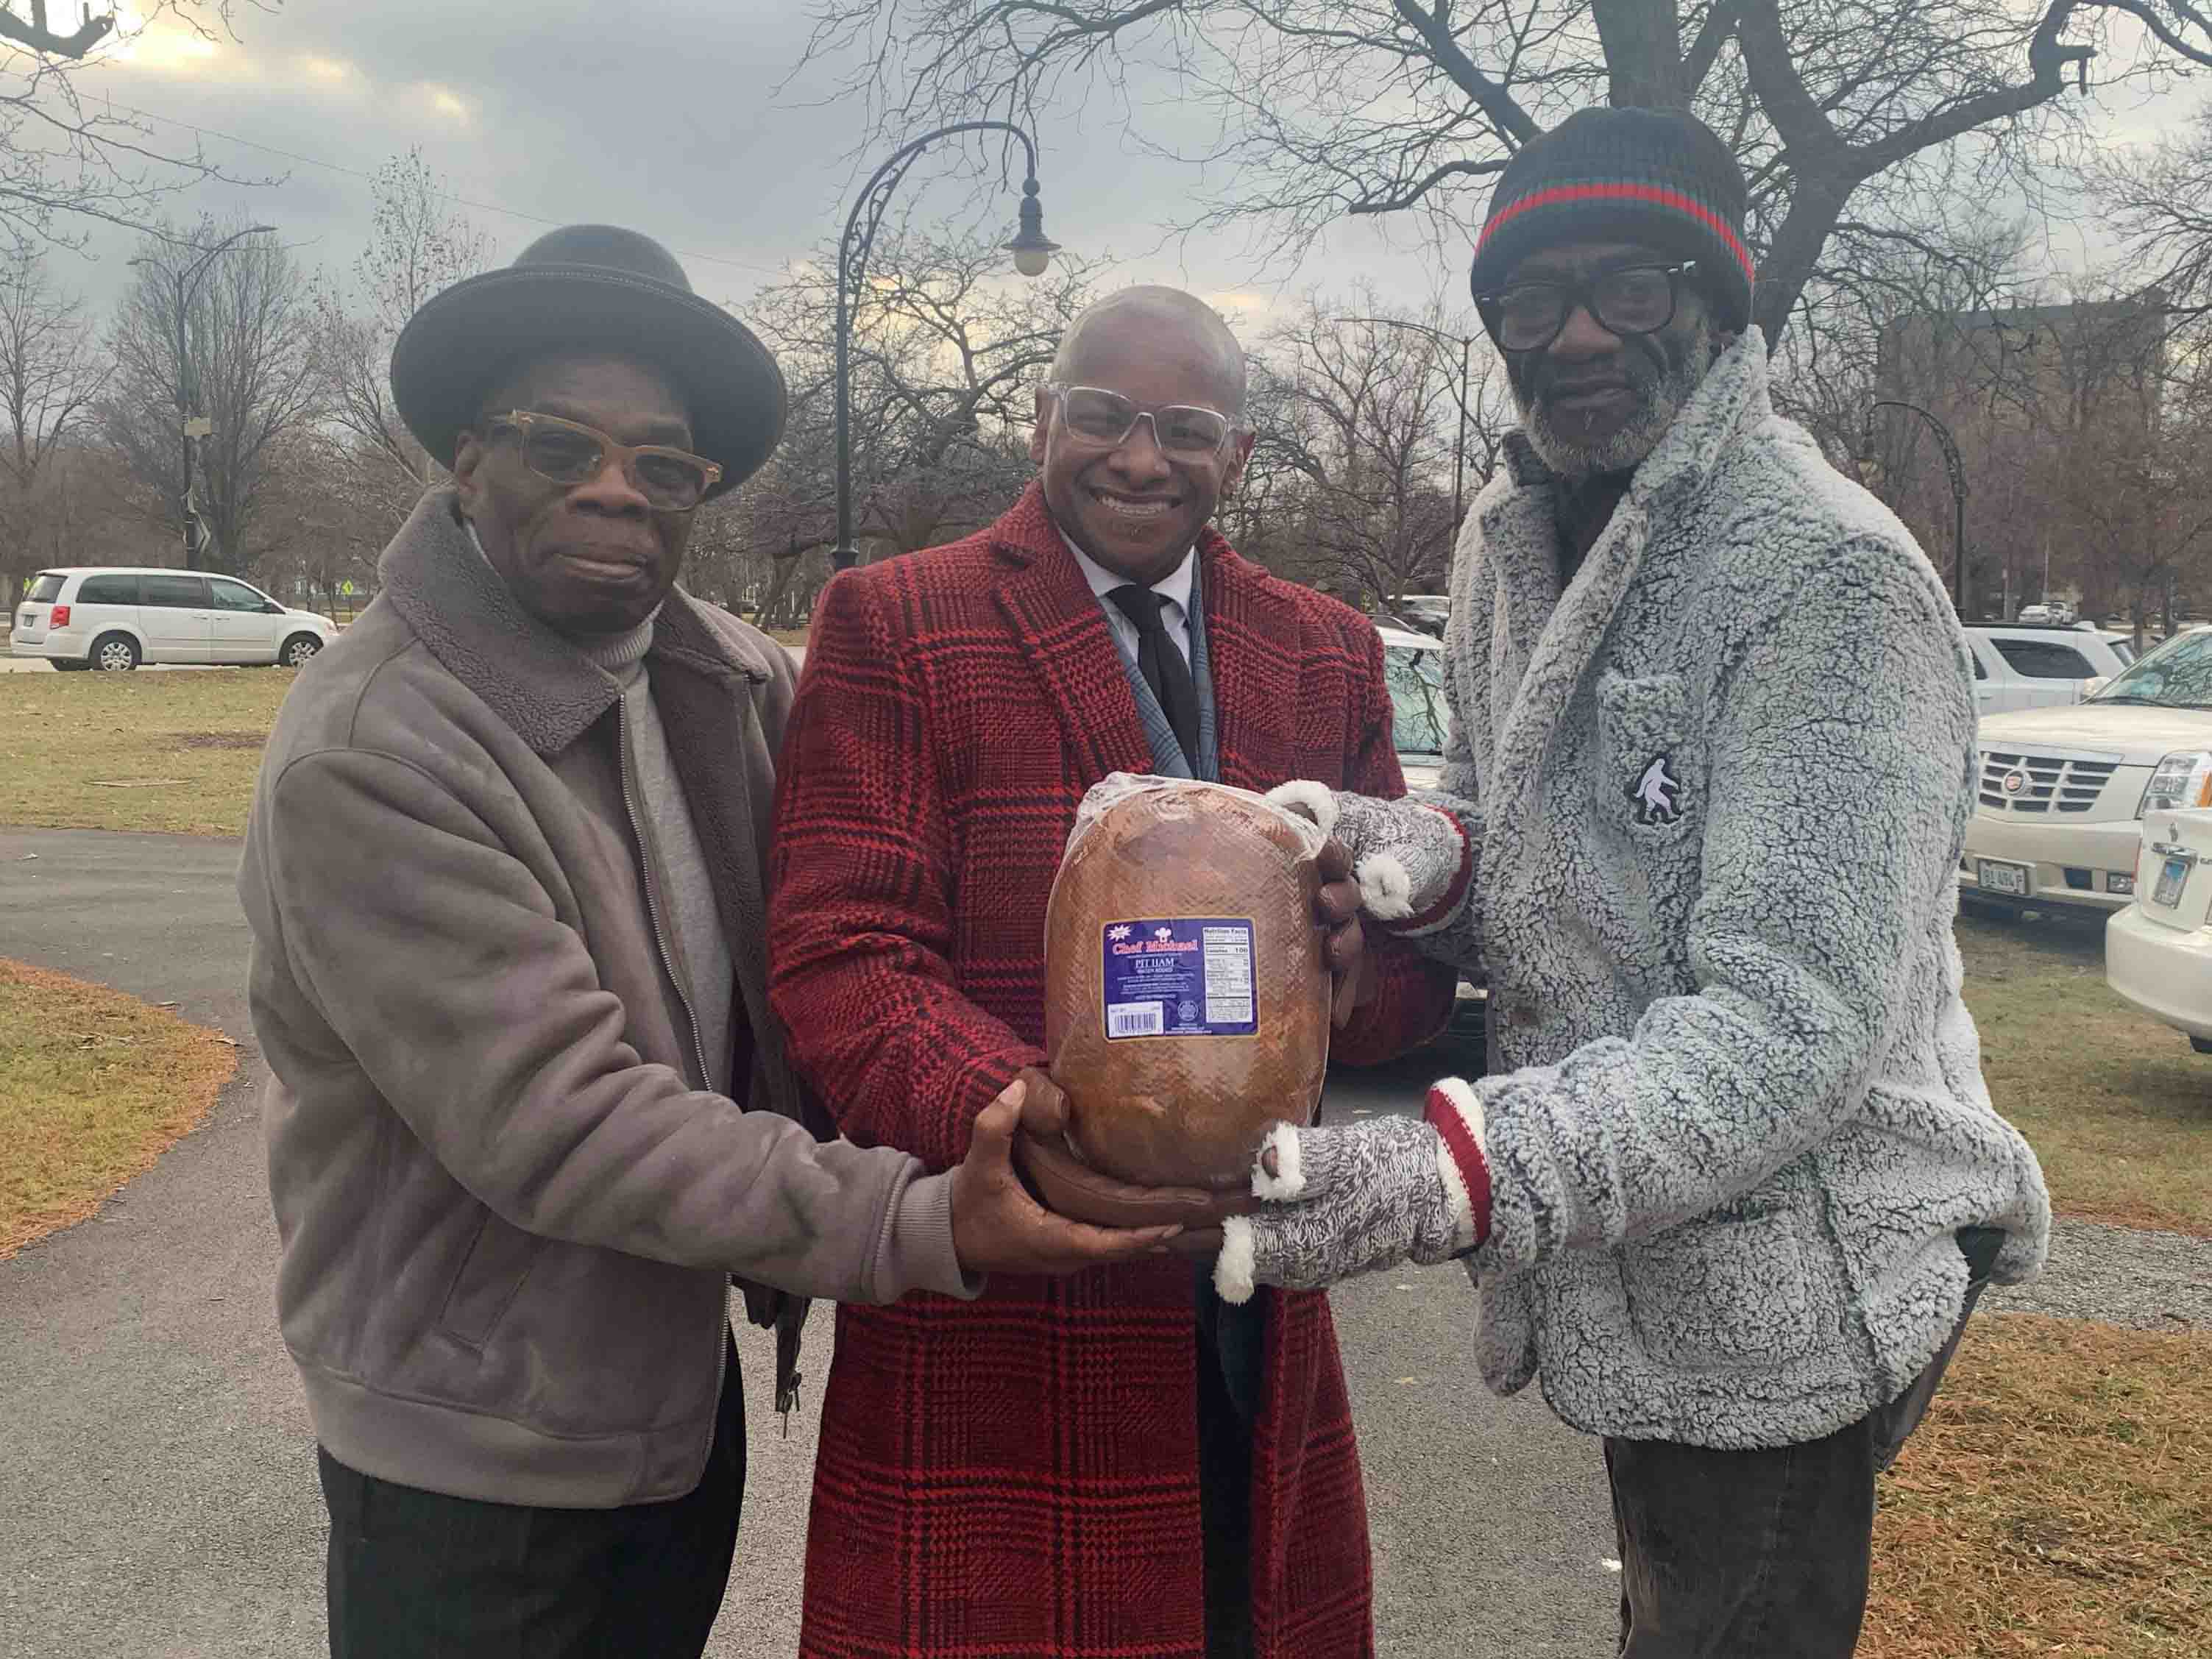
(27, 619)
(2171, 879)
(1998, 877)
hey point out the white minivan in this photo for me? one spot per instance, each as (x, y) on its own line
(115, 617)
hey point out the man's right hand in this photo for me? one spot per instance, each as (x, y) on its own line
(998, 1228)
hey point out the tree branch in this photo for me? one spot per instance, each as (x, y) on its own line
(1514, 123)
(39, 38)
(1412, 193)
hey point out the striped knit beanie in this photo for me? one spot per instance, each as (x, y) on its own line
(1657, 176)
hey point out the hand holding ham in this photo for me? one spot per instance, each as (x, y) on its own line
(1405, 858)
(1348, 1200)
(998, 1227)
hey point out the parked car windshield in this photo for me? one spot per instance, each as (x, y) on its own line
(1416, 676)
(2176, 675)
(44, 587)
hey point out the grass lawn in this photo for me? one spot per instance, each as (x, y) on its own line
(136, 751)
(93, 1086)
(2056, 1500)
(2117, 1107)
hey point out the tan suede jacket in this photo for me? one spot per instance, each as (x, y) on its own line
(509, 1207)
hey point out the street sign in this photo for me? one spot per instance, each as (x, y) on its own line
(199, 427)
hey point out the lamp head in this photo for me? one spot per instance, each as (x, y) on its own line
(1032, 249)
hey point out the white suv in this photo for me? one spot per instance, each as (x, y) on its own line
(2026, 666)
(2061, 792)
(114, 618)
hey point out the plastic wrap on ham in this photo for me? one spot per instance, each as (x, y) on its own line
(1186, 994)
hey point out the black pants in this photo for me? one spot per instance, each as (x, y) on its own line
(417, 1575)
(1762, 1555)
(1225, 1470)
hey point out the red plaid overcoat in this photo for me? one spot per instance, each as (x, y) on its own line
(1016, 1477)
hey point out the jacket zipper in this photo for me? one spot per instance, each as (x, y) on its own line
(698, 1046)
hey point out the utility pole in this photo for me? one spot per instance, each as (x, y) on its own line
(189, 424)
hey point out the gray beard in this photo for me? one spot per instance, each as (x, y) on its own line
(1664, 398)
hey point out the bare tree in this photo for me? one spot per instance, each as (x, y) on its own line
(417, 247)
(246, 350)
(948, 347)
(1330, 107)
(49, 377)
(1362, 407)
(66, 158)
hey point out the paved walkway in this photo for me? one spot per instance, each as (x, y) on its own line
(157, 1492)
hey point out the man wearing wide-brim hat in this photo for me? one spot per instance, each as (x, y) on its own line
(528, 1109)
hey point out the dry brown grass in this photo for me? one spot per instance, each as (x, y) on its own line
(136, 751)
(93, 1086)
(2117, 1107)
(2058, 1500)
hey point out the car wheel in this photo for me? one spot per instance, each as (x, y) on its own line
(114, 654)
(1982, 909)
(298, 649)
(2203, 1045)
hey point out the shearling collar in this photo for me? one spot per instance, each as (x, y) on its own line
(531, 677)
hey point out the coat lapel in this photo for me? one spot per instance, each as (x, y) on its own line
(1253, 636)
(1520, 525)
(1062, 632)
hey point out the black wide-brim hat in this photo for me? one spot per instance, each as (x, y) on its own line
(590, 288)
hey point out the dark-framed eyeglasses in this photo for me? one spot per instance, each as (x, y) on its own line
(569, 453)
(1627, 300)
(1107, 418)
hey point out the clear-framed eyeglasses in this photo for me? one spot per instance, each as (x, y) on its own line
(566, 452)
(1627, 300)
(1106, 419)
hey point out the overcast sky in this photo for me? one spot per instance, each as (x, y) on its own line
(664, 115)
(660, 114)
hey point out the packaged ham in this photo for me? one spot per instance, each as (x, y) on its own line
(1187, 999)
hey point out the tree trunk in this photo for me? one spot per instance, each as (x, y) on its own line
(1642, 41)
(1814, 208)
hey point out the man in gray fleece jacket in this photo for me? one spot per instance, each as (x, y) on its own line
(529, 1110)
(1734, 1180)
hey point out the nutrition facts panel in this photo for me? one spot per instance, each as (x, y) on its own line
(1228, 973)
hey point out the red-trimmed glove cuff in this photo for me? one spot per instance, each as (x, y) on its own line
(1455, 894)
(1454, 1112)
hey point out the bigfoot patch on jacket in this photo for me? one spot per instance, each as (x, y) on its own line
(1658, 795)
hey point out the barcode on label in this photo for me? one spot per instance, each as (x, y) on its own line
(1128, 1019)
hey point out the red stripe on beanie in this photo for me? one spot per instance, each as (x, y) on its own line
(1653, 195)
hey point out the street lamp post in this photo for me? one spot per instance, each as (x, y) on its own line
(1032, 253)
(1466, 344)
(187, 283)
(1958, 472)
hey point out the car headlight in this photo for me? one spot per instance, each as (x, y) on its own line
(2183, 779)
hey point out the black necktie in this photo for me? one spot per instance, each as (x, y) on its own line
(1160, 661)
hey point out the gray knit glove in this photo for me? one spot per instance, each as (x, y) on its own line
(1411, 860)
(1352, 1200)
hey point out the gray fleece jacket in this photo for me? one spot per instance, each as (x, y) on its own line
(1718, 791)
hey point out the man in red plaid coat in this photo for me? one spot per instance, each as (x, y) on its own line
(1112, 1464)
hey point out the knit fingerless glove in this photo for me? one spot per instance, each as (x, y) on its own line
(1412, 862)
(1349, 1201)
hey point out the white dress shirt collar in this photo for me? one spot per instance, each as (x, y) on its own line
(1173, 587)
